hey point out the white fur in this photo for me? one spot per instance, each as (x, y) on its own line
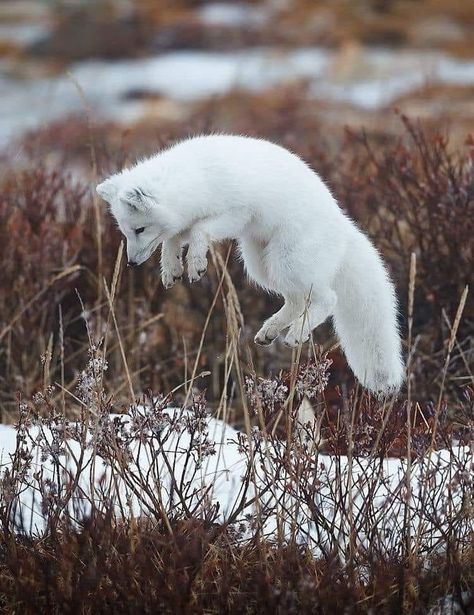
(293, 238)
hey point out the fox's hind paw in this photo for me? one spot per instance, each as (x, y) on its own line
(296, 335)
(266, 336)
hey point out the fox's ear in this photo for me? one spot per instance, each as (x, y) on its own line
(107, 190)
(137, 199)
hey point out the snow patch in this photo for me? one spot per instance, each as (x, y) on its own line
(374, 78)
(377, 489)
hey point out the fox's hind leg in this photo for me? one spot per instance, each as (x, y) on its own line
(172, 261)
(272, 327)
(315, 313)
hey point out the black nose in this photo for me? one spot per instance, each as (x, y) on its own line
(132, 264)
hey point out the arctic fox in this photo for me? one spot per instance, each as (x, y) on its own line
(293, 238)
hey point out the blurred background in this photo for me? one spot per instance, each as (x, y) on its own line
(87, 86)
(125, 61)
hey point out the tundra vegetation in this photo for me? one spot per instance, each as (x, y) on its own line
(69, 306)
(83, 337)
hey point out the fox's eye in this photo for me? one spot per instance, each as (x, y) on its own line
(140, 230)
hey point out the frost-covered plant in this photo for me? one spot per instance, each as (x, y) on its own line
(313, 378)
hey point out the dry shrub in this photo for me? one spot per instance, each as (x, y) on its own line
(51, 289)
(160, 330)
(43, 223)
(375, 427)
(53, 299)
(129, 568)
(413, 195)
(52, 283)
(179, 555)
(110, 568)
(417, 196)
(188, 560)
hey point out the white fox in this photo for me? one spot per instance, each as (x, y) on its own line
(293, 238)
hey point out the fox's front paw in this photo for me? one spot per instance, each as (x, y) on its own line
(169, 279)
(266, 336)
(197, 267)
(171, 263)
(171, 273)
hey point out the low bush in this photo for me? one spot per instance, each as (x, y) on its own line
(413, 195)
(309, 532)
(417, 196)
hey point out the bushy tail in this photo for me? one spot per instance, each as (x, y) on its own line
(365, 318)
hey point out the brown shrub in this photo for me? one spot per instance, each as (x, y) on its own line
(413, 194)
(42, 230)
(418, 196)
(53, 299)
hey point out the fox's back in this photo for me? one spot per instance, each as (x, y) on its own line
(253, 172)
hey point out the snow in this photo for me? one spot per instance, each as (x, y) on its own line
(23, 33)
(222, 471)
(374, 78)
(363, 484)
(393, 74)
(182, 76)
(452, 606)
(234, 15)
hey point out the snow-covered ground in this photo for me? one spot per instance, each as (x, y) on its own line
(237, 14)
(368, 493)
(367, 78)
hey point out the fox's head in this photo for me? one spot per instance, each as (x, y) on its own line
(139, 215)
